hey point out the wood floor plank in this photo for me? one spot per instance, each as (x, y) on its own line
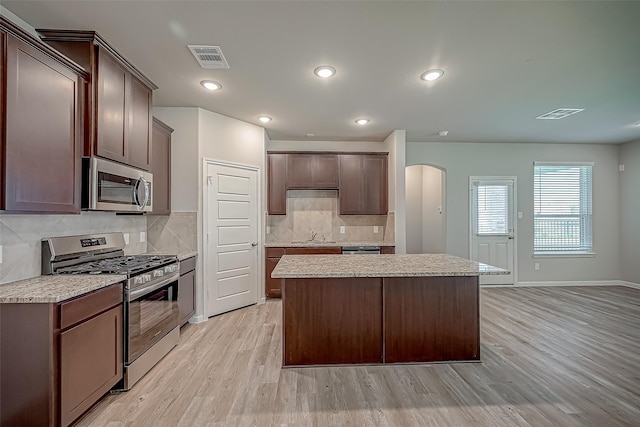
(550, 357)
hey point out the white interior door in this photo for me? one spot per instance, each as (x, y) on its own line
(493, 232)
(232, 237)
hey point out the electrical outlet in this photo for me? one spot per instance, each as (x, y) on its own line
(143, 236)
(268, 229)
(519, 215)
(126, 238)
(536, 266)
(342, 229)
(375, 228)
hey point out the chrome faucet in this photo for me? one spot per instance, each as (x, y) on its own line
(313, 235)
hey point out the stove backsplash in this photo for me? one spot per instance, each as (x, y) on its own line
(20, 237)
(172, 233)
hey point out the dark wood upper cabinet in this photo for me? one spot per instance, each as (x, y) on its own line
(42, 126)
(119, 98)
(161, 168)
(277, 184)
(312, 171)
(363, 184)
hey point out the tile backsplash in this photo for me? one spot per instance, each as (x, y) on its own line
(20, 237)
(317, 210)
(176, 232)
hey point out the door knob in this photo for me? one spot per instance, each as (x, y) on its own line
(254, 243)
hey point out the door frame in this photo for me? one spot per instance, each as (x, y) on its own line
(206, 229)
(514, 213)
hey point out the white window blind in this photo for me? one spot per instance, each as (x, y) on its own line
(492, 210)
(562, 207)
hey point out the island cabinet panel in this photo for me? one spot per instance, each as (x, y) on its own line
(42, 140)
(326, 321)
(431, 319)
(277, 184)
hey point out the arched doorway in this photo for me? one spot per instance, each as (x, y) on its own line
(425, 209)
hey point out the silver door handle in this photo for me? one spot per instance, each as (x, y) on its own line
(511, 237)
(254, 243)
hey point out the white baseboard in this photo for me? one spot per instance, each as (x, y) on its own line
(630, 284)
(262, 300)
(198, 319)
(561, 283)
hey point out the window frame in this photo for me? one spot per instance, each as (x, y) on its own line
(583, 249)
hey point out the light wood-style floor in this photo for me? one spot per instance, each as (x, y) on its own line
(550, 357)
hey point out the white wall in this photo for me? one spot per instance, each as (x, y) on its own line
(414, 205)
(630, 212)
(433, 213)
(200, 134)
(491, 159)
(396, 146)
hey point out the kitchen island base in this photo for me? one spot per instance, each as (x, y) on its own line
(368, 320)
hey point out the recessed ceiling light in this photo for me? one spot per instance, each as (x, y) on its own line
(637, 124)
(264, 119)
(443, 133)
(362, 121)
(324, 71)
(431, 75)
(211, 85)
(311, 135)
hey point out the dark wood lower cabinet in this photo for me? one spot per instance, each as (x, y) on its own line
(353, 320)
(58, 359)
(187, 290)
(328, 322)
(431, 319)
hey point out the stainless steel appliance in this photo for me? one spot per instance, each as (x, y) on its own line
(110, 186)
(356, 250)
(150, 293)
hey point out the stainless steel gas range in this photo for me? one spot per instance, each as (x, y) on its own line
(150, 293)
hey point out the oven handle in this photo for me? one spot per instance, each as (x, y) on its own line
(132, 295)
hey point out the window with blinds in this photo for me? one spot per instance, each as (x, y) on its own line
(492, 217)
(562, 207)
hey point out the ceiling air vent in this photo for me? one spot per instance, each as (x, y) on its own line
(559, 113)
(209, 56)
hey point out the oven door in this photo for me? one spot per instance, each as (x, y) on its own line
(151, 313)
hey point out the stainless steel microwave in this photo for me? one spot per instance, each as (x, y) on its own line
(110, 186)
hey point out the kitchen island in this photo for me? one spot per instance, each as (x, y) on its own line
(369, 309)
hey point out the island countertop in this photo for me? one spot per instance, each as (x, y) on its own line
(399, 265)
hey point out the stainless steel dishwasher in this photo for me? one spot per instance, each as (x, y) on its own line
(359, 250)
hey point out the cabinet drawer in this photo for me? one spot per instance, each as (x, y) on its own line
(86, 306)
(314, 251)
(274, 252)
(187, 265)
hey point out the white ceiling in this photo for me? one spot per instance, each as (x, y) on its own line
(505, 63)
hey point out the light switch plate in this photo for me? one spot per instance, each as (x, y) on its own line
(375, 228)
(126, 238)
(519, 215)
(143, 236)
(342, 229)
(268, 229)
(0, 254)
(536, 266)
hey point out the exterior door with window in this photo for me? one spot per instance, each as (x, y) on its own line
(492, 240)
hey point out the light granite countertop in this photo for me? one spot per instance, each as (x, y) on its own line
(315, 243)
(55, 288)
(403, 265)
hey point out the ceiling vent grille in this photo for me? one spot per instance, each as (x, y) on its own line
(209, 56)
(559, 113)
